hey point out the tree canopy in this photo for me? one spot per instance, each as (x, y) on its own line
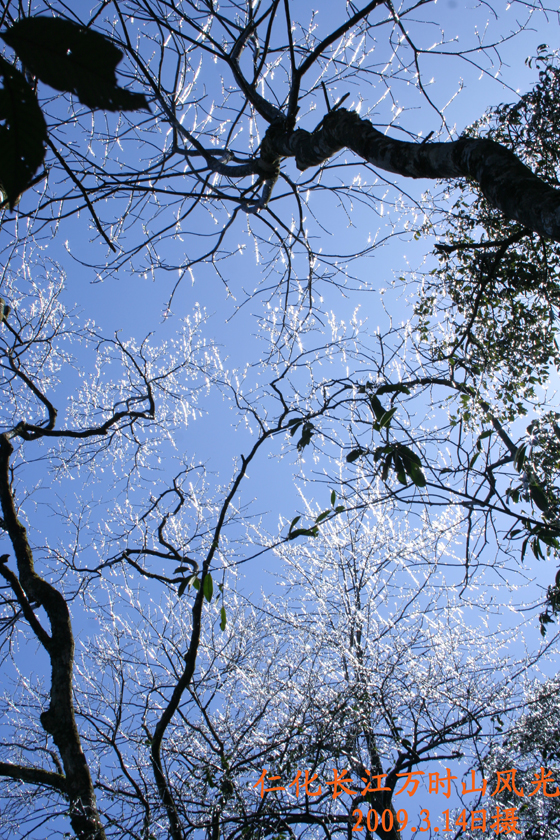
(219, 151)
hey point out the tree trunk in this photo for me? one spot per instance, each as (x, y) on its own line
(58, 720)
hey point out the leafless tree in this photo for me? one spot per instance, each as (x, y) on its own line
(236, 93)
(113, 743)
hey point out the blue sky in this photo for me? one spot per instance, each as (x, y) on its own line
(136, 305)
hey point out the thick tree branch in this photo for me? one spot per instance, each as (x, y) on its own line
(476, 246)
(33, 776)
(266, 110)
(29, 431)
(192, 652)
(503, 179)
(51, 410)
(59, 719)
(26, 608)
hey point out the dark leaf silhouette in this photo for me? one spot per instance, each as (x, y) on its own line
(22, 134)
(306, 435)
(304, 532)
(355, 454)
(71, 58)
(538, 496)
(391, 389)
(412, 465)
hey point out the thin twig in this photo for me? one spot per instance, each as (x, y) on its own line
(84, 194)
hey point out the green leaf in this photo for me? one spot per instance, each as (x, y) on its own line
(408, 455)
(333, 498)
(473, 460)
(386, 466)
(548, 538)
(208, 587)
(376, 406)
(386, 419)
(195, 583)
(295, 424)
(294, 521)
(519, 458)
(306, 435)
(355, 454)
(538, 496)
(382, 450)
(182, 587)
(22, 134)
(323, 516)
(339, 509)
(399, 469)
(389, 389)
(223, 619)
(71, 58)
(304, 532)
(412, 465)
(416, 474)
(544, 619)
